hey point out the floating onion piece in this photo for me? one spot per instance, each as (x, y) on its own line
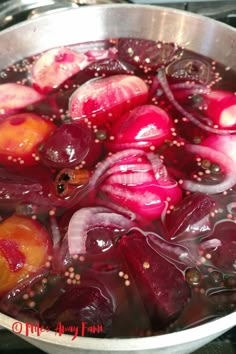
(231, 208)
(190, 85)
(211, 244)
(112, 160)
(226, 163)
(88, 218)
(166, 88)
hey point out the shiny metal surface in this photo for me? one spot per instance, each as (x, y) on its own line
(18, 10)
(196, 33)
(15, 11)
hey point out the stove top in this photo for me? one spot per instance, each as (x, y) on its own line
(14, 11)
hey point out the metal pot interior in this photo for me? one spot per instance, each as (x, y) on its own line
(196, 33)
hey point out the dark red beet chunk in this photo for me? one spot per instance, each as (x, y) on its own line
(221, 246)
(191, 69)
(155, 278)
(190, 218)
(32, 186)
(108, 66)
(67, 147)
(146, 54)
(84, 306)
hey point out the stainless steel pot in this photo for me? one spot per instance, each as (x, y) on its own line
(196, 33)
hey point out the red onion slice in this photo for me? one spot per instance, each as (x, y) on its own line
(145, 202)
(212, 244)
(55, 66)
(133, 178)
(87, 218)
(16, 96)
(224, 161)
(231, 207)
(101, 53)
(159, 169)
(112, 160)
(191, 85)
(166, 88)
(125, 168)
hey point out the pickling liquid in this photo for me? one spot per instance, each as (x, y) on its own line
(161, 274)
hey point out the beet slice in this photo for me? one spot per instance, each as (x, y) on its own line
(83, 306)
(162, 287)
(33, 186)
(107, 66)
(146, 54)
(190, 218)
(221, 246)
(67, 146)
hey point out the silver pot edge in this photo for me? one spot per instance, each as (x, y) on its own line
(198, 33)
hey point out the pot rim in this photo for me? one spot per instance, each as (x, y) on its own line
(87, 8)
(185, 336)
(220, 34)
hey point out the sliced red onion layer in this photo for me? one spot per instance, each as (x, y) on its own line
(158, 168)
(101, 53)
(166, 88)
(55, 66)
(56, 235)
(138, 167)
(109, 161)
(221, 108)
(15, 96)
(212, 244)
(103, 100)
(225, 162)
(190, 85)
(87, 218)
(146, 200)
(133, 178)
(230, 207)
(224, 144)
